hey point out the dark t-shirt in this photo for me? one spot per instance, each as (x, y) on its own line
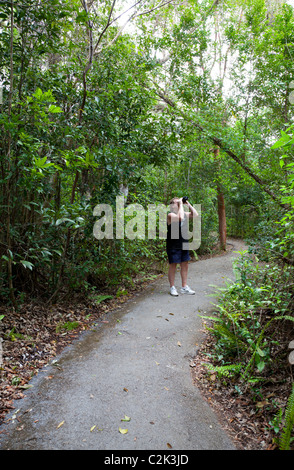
(176, 235)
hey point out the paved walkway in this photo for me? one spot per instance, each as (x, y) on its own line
(137, 366)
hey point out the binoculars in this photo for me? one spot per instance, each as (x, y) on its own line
(185, 199)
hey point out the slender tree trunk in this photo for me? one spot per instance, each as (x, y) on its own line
(222, 219)
(221, 208)
(8, 188)
(68, 235)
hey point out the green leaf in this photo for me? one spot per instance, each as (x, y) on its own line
(27, 264)
(123, 431)
(261, 366)
(41, 163)
(260, 352)
(64, 219)
(101, 298)
(54, 109)
(38, 93)
(126, 418)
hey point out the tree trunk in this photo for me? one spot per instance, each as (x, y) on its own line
(221, 208)
(222, 219)
(60, 278)
(8, 185)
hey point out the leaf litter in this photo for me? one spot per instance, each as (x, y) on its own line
(35, 334)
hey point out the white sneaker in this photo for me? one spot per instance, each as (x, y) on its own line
(187, 290)
(173, 291)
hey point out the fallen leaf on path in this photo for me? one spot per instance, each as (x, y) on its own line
(92, 428)
(126, 418)
(169, 445)
(178, 343)
(123, 431)
(60, 424)
(125, 389)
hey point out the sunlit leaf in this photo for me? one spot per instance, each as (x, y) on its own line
(123, 431)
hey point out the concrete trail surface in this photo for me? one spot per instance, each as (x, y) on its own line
(136, 365)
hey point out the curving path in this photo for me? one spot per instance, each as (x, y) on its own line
(135, 366)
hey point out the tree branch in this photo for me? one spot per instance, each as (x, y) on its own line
(134, 15)
(222, 146)
(106, 27)
(213, 6)
(89, 63)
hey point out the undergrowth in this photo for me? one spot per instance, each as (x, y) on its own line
(251, 328)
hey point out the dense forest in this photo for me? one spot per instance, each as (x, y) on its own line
(153, 99)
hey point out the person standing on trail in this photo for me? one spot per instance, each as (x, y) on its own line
(177, 223)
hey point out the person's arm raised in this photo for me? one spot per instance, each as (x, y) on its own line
(192, 211)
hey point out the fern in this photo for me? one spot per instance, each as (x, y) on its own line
(206, 317)
(224, 371)
(284, 317)
(285, 438)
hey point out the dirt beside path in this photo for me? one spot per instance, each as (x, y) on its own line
(126, 384)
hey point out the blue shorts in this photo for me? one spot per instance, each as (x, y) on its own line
(178, 256)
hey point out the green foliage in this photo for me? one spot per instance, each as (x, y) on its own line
(81, 116)
(58, 163)
(76, 125)
(224, 371)
(100, 298)
(254, 315)
(253, 321)
(246, 310)
(67, 326)
(286, 439)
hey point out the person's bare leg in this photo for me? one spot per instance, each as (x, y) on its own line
(184, 273)
(172, 273)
